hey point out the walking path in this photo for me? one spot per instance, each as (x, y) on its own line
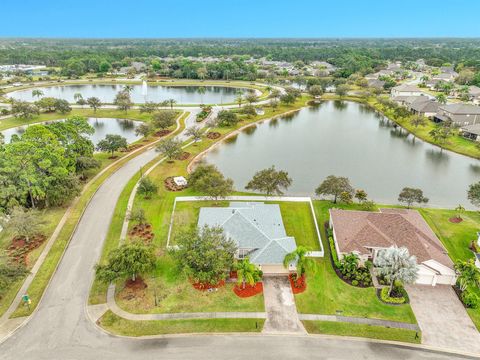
(359, 320)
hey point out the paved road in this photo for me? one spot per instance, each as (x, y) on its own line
(60, 328)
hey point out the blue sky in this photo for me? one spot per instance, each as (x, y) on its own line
(237, 18)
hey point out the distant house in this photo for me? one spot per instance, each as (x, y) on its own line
(406, 90)
(474, 94)
(365, 233)
(471, 132)
(460, 114)
(375, 83)
(258, 231)
(425, 107)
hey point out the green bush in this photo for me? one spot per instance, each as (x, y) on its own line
(470, 299)
(388, 299)
(355, 282)
(333, 250)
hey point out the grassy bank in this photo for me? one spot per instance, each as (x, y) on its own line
(361, 330)
(118, 325)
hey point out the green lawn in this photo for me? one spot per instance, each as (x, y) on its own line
(361, 330)
(327, 294)
(456, 238)
(118, 325)
(175, 294)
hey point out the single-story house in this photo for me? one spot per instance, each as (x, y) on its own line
(460, 114)
(471, 132)
(424, 107)
(365, 233)
(406, 90)
(258, 231)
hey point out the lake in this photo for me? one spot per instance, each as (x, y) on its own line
(352, 140)
(106, 93)
(102, 126)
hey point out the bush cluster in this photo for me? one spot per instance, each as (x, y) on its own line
(333, 251)
(391, 299)
(470, 299)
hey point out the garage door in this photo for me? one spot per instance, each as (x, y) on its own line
(425, 279)
(274, 270)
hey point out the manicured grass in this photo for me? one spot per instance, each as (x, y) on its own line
(175, 294)
(118, 325)
(456, 238)
(327, 294)
(362, 330)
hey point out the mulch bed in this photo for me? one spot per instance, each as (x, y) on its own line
(162, 133)
(208, 286)
(213, 135)
(249, 290)
(113, 157)
(298, 286)
(455, 220)
(131, 148)
(171, 186)
(19, 248)
(183, 156)
(405, 295)
(138, 284)
(143, 231)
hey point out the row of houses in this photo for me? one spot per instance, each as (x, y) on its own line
(465, 116)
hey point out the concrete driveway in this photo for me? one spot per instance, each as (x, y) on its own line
(282, 316)
(443, 319)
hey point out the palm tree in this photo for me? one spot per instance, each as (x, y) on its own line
(394, 264)
(247, 273)
(201, 90)
(303, 263)
(172, 102)
(77, 96)
(37, 93)
(468, 274)
(441, 98)
(127, 88)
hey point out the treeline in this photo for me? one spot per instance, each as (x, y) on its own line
(352, 55)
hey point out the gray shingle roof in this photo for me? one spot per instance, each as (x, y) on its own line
(253, 226)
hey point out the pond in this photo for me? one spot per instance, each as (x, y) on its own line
(102, 126)
(106, 93)
(348, 139)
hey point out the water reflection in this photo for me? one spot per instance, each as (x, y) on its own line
(350, 140)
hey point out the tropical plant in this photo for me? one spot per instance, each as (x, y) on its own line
(468, 274)
(396, 264)
(302, 262)
(247, 273)
(37, 93)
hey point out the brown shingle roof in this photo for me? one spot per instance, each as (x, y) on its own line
(360, 230)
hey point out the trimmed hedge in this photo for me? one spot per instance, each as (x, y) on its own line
(333, 251)
(391, 300)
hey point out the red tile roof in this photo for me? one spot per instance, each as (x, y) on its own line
(361, 230)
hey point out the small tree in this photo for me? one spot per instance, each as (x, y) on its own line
(303, 263)
(172, 102)
(346, 197)
(149, 107)
(418, 121)
(473, 194)
(468, 274)
(247, 273)
(112, 143)
(195, 132)
(342, 90)
(171, 148)
(459, 210)
(361, 195)
(206, 179)
(94, 103)
(123, 100)
(251, 98)
(334, 185)
(270, 181)
(85, 163)
(396, 264)
(143, 129)
(138, 216)
(410, 196)
(129, 260)
(274, 104)
(164, 119)
(227, 118)
(24, 223)
(147, 187)
(206, 254)
(315, 90)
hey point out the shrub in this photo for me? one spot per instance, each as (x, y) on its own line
(355, 282)
(392, 300)
(336, 262)
(470, 299)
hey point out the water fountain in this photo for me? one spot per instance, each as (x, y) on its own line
(144, 89)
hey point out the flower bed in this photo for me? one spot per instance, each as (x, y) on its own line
(143, 231)
(298, 285)
(162, 133)
(455, 219)
(207, 286)
(171, 186)
(249, 290)
(183, 156)
(19, 248)
(398, 296)
(213, 135)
